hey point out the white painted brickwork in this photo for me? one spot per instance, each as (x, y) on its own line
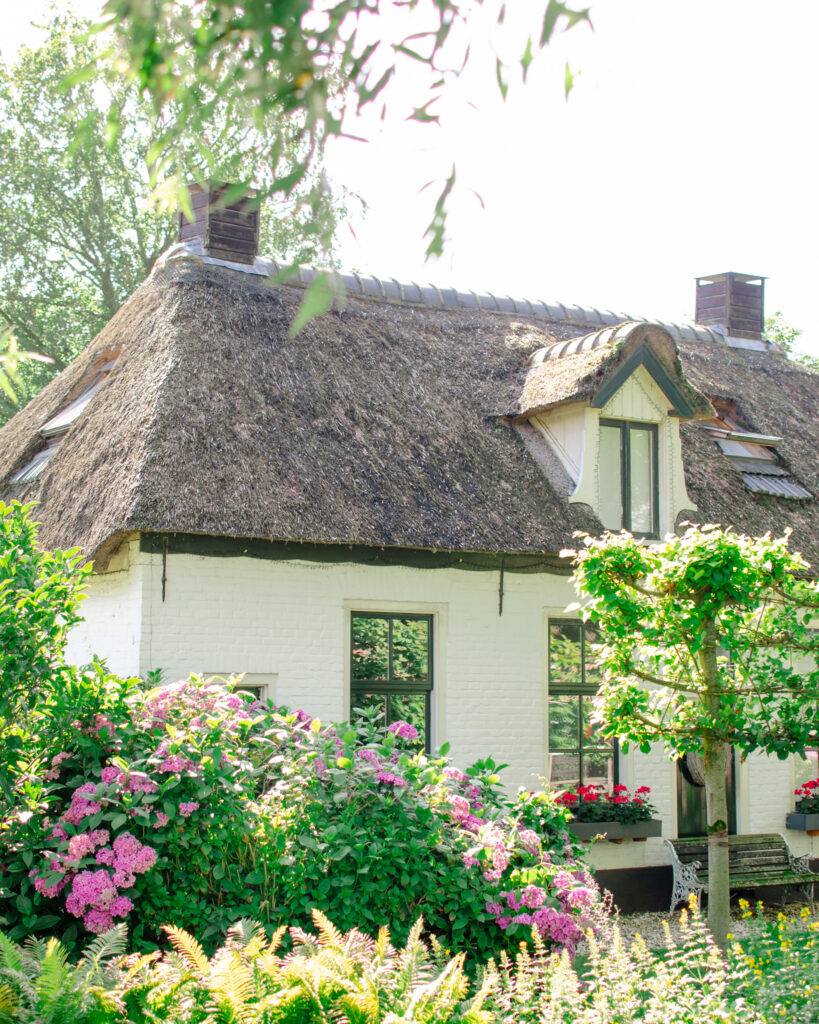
(291, 621)
(113, 612)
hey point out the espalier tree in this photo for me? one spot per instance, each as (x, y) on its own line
(706, 645)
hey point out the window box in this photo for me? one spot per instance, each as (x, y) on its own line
(803, 822)
(616, 831)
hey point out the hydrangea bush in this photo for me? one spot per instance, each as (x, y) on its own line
(195, 804)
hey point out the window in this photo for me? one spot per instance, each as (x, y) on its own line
(261, 685)
(391, 668)
(627, 462)
(57, 427)
(578, 754)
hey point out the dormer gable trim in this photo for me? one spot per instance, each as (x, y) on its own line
(643, 356)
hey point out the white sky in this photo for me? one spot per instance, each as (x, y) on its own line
(686, 148)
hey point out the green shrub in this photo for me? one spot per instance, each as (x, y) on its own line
(775, 971)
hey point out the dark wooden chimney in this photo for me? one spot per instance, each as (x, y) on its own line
(735, 301)
(228, 232)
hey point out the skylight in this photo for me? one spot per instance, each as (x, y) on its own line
(754, 457)
(55, 429)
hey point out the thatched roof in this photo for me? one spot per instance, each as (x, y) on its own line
(392, 423)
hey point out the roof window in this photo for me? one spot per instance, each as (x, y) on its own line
(754, 457)
(55, 429)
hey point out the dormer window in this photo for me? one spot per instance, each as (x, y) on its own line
(627, 461)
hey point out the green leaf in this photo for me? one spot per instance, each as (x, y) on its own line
(308, 841)
(317, 300)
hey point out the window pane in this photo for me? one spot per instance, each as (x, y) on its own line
(564, 771)
(593, 676)
(642, 481)
(370, 647)
(611, 485)
(806, 768)
(598, 768)
(591, 730)
(410, 649)
(412, 708)
(563, 734)
(565, 659)
(369, 702)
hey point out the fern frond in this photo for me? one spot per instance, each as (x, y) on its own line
(329, 935)
(244, 932)
(11, 955)
(8, 1002)
(382, 944)
(188, 948)
(104, 947)
(53, 975)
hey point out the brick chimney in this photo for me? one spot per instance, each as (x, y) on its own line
(734, 301)
(228, 232)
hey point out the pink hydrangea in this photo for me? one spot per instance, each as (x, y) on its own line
(390, 779)
(56, 761)
(529, 840)
(48, 890)
(177, 764)
(81, 806)
(370, 756)
(98, 921)
(404, 731)
(90, 889)
(137, 782)
(110, 774)
(132, 856)
(187, 809)
(162, 820)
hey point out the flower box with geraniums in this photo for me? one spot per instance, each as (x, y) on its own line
(616, 815)
(806, 816)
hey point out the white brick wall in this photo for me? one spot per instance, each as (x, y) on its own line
(292, 620)
(112, 611)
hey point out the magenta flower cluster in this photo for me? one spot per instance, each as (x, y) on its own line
(94, 872)
(404, 731)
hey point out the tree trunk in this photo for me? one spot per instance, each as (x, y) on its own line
(716, 799)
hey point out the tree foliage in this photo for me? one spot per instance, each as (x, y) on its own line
(779, 331)
(707, 643)
(77, 230)
(324, 63)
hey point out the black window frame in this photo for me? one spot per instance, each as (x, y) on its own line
(579, 689)
(393, 685)
(625, 427)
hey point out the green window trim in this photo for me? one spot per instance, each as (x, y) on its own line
(626, 427)
(392, 683)
(577, 686)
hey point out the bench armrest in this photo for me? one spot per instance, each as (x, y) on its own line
(685, 877)
(800, 865)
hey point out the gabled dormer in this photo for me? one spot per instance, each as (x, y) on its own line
(609, 405)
